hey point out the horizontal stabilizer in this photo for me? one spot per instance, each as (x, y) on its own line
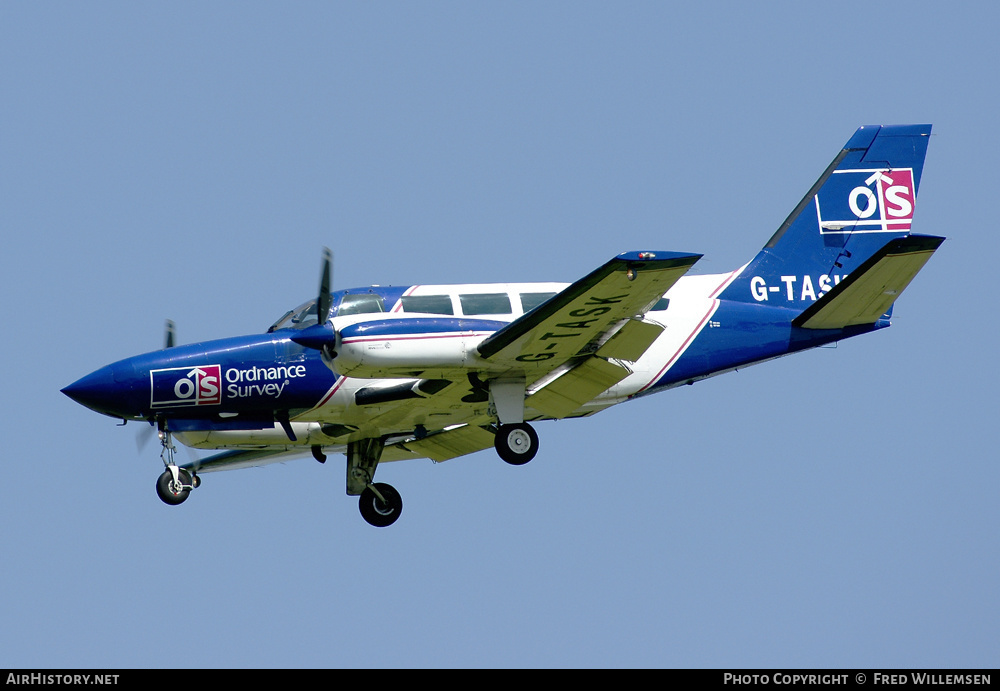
(869, 291)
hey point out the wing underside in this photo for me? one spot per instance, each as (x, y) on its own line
(444, 445)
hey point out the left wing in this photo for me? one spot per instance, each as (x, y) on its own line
(585, 316)
(452, 442)
(246, 458)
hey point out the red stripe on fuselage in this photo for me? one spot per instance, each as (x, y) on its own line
(684, 345)
(329, 394)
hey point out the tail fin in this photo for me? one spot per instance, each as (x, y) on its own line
(862, 201)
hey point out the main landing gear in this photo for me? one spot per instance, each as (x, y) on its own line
(174, 484)
(380, 504)
(516, 443)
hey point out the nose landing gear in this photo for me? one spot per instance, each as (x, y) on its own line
(174, 484)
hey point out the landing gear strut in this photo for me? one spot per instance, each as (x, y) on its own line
(380, 504)
(515, 442)
(174, 484)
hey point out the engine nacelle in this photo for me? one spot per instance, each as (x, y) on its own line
(206, 437)
(411, 347)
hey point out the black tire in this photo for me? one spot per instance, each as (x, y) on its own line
(168, 492)
(516, 443)
(378, 513)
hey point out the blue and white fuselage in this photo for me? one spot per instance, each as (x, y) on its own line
(439, 371)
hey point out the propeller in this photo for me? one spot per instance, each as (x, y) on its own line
(324, 302)
(146, 433)
(321, 336)
(143, 436)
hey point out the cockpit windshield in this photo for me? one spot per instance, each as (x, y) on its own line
(299, 318)
(305, 314)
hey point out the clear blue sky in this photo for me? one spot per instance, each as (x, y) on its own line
(189, 161)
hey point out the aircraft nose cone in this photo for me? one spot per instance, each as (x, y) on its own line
(100, 391)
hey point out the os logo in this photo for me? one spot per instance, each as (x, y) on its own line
(183, 386)
(867, 201)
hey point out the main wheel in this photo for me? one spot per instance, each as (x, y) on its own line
(171, 492)
(377, 512)
(516, 443)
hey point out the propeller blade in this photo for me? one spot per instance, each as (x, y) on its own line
(143, 436)
(324, 302)
(171, 335)
(321, 335)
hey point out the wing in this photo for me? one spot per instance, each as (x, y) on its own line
(585, 316)
(451, 442)
(246, 458)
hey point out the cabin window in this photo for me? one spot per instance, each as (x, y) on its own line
(427, 304)
(367, 303)
(485, 303)
(530, 301)
(660, 305)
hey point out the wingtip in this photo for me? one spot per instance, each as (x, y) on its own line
(660, 257)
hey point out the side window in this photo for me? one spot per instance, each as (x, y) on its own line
(485, 303)
(660, 305)
(366, 303)
(530, 301)
(427, 304)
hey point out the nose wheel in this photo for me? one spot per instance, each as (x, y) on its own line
(173, 490)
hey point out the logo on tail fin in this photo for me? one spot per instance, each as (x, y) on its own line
(867, 201)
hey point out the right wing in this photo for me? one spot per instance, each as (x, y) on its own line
(586, 315)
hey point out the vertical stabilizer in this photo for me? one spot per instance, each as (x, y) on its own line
(863, 200)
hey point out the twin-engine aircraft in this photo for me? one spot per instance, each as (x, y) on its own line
(441, 371)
